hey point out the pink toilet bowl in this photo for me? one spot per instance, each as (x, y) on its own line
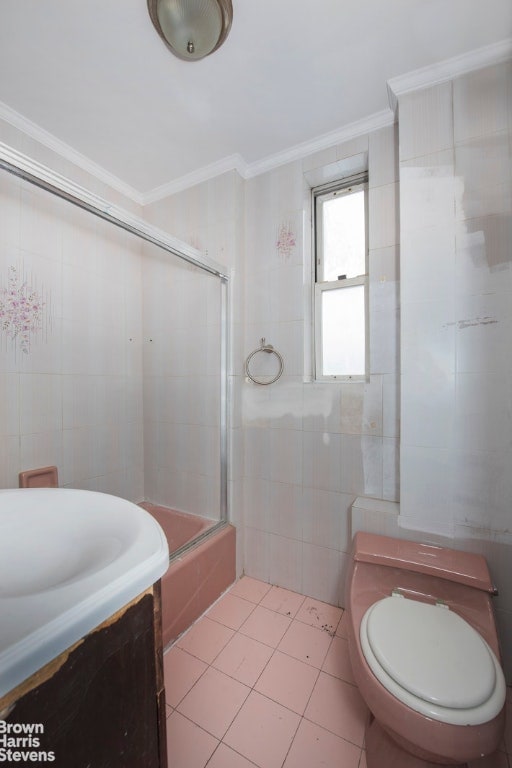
(424, 652)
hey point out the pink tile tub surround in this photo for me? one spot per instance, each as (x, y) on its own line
(179, 527)
(197, 578)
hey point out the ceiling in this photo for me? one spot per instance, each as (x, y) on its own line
(95, 77)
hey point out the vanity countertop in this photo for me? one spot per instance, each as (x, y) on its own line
(69, 559)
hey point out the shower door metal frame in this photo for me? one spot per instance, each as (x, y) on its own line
(41, 176)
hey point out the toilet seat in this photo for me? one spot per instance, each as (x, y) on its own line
(432, 660)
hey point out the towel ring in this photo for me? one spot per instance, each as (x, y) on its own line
(269, 349)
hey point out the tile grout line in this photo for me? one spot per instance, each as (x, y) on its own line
(332, 632)
(252, 687)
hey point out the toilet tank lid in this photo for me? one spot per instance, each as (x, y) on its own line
(454, 565)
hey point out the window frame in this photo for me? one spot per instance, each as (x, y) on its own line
(320, 194)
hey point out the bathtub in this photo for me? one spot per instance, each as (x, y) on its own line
(197, 576)
(180, 528)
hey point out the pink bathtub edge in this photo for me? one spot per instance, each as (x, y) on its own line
(194, 581)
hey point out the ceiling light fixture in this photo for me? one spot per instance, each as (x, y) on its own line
(191, 29)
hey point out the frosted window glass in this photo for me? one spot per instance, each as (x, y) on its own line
(344, 236)
(343, 332)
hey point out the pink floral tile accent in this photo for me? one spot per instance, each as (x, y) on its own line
(191, 746)
(22, 310)
(338, 707)
(181, 671)
(214, 701)
(314, 747)
(243, 658)
(262, 731)
(283, 601)
(285, 241)
(287, 681)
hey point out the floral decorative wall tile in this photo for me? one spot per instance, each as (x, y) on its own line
(285, 241)
(22, 310)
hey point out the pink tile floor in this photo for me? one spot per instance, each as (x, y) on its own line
(264, 679)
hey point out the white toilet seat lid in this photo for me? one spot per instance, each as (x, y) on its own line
(433, 660)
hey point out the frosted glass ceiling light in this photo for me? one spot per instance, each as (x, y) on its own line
(191, 29)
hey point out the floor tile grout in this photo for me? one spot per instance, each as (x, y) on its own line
(331, 631)
(293, 616)
(274, 648)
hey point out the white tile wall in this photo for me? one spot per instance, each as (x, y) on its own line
(285, 510)
(323, 573)
(326, 518)
(285, 559)
(181, 321)
(280, 434)
(322, 461)
(456, 299)
(428, 408)
(300, 451)
(257, 553)
(72, 400)
(483, 332)
(428, 189)
(308, 444)
(481, 102)
(428, 117)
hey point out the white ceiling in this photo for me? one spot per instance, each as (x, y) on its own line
(95, 75)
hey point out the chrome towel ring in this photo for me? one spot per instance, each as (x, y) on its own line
(269, 349)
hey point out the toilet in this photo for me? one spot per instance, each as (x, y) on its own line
(424, 652)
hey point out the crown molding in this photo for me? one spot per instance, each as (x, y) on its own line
(68, 153)
(250, 170)
(31, 170)
(443, 71)
(207, 172)
(325, 141)
(396, 87)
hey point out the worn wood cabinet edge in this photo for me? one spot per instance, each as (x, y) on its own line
(102, 701)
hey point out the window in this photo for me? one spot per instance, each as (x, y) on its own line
(341, 280)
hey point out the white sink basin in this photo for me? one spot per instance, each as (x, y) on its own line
(69, 559)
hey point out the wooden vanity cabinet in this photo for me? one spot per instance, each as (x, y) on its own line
(101, 704)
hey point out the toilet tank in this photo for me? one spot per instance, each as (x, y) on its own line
(450, 564)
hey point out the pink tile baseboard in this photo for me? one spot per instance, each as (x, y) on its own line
(195, 580)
